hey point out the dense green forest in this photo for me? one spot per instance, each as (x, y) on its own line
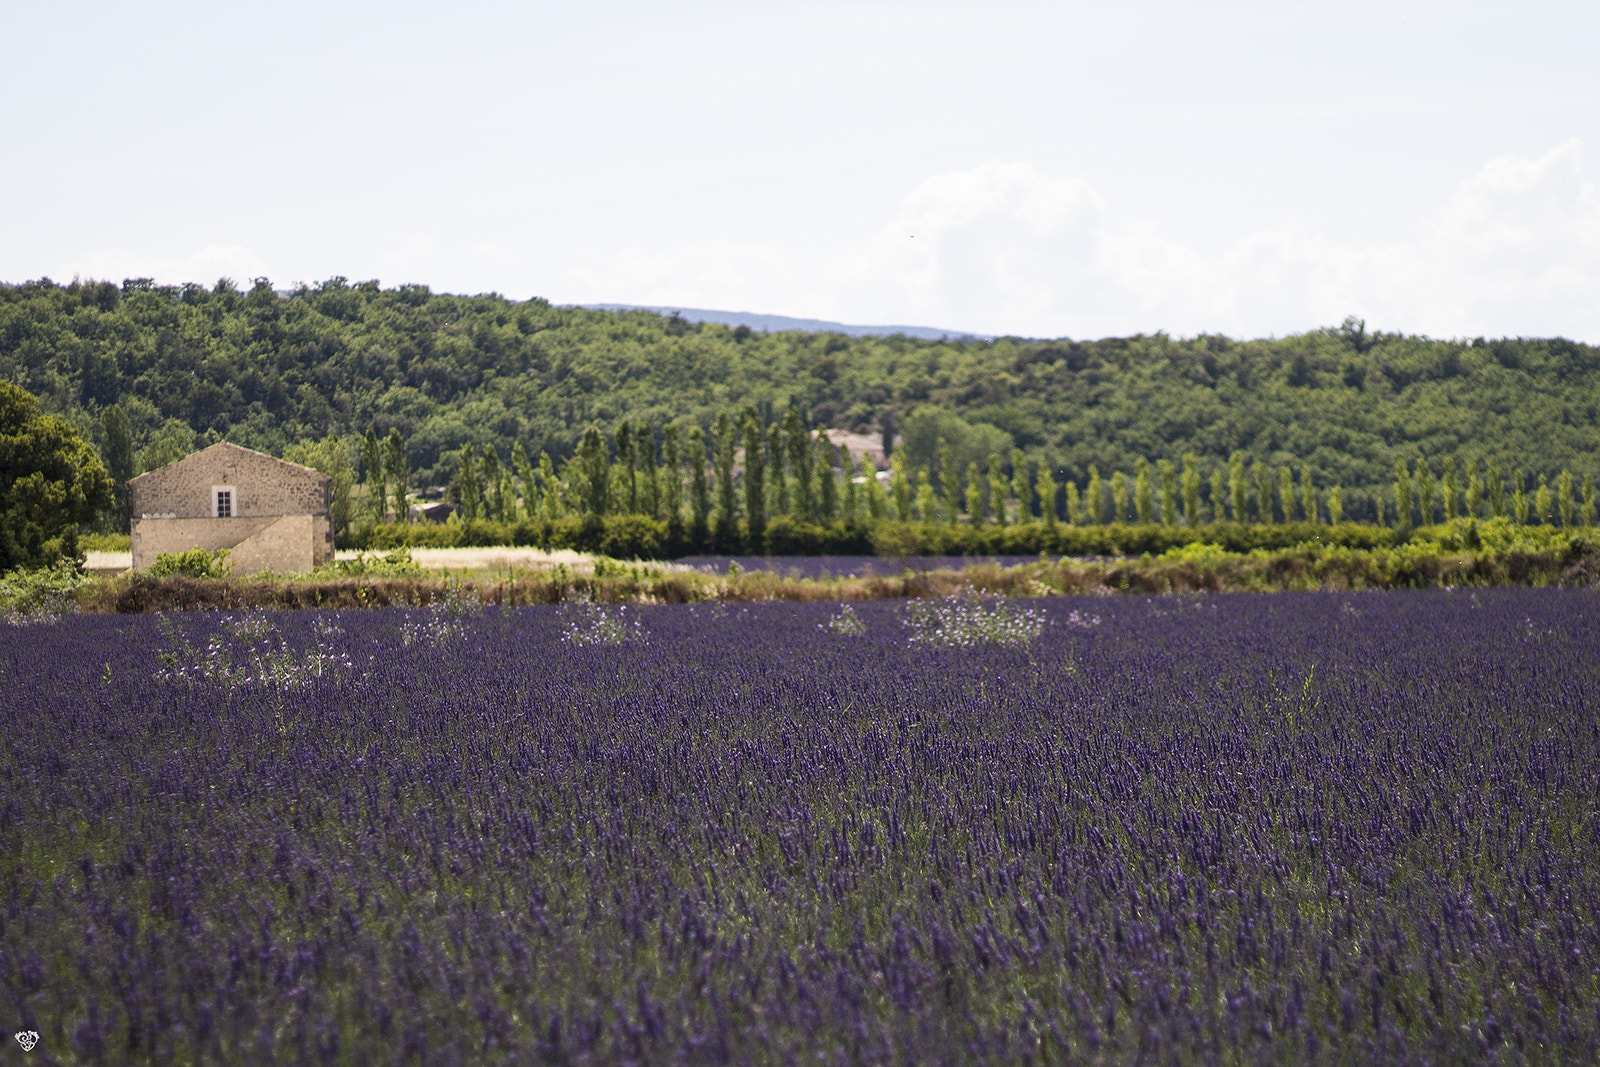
(280, 371)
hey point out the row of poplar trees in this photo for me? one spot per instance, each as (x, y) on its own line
(739, 471)
(744, 471)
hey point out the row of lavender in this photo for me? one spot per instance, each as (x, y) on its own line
(1343, 827)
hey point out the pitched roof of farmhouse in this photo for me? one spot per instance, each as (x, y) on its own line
(224, 447)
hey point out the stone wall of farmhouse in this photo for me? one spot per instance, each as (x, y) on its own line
(263, 486)
(280, 516)
(289, 544)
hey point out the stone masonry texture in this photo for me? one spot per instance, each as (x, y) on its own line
(280, 515)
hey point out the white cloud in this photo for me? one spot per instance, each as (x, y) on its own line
(1006, 248)
(1515, 250)
(1003, 243)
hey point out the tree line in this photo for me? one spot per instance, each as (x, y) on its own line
(286, 371)
(726, 486)
(774, 484)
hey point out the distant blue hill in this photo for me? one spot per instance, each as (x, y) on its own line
(779, 323)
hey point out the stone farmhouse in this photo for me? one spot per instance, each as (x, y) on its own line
(271, 514)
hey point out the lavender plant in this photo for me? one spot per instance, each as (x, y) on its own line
(444, 622)
(1159, 839)
(583, 622)
(845, 622)
(248, 650)
(967, 622)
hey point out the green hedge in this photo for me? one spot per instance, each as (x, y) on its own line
(1115, 539)
(639, 537)
(618, 536)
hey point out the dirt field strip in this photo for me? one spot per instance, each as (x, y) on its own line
(484, 559)
(433, 559)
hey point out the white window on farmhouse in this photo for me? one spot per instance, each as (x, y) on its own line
(222, 497)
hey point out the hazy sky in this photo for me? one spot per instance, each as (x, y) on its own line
(1042, 169)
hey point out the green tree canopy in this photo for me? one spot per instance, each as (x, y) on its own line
(927, 427)
(117, 449)
(330, 456)
(51, 480)
(191, 365)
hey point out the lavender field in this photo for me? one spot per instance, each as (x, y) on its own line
(1331, 828)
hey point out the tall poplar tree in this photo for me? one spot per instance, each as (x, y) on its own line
(1402, 494)
(1191, 489)
(672, 481)
(494, 486)
(524, 468)
(625, 469)
(1143, 501)
(1263, 479)
(777, 471)
(900, 485)
(927, 499)
(1308, 496)
(1020, 489)
(827, 480)
(974, 495)
(1169, 493)
(1425, 490)
(850, 471)
(595, 466)
(950, 480)
(505, 497)
(998, 486)
(1497, 492)
(1096, 496)
(877, 499)
(727, 499)
(800, 462)
(1447, 488)
(551, 506)
(699, 489)
(469, 486)
(644, 451)
(397, 472)
(372, 475)
(1286, 492)
(1047, 494)
(755, 482)
(1236, 488)
(1564, 501)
